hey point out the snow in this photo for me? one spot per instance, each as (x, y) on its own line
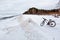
(13, 7)
(27, 27)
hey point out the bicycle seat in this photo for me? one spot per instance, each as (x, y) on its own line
(44, 19)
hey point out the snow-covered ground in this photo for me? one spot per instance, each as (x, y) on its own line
(27, 27)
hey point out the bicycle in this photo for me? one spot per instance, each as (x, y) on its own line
(50, 22)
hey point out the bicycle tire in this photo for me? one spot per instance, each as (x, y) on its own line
(51, 24)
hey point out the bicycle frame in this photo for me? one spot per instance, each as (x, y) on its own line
(50, 22)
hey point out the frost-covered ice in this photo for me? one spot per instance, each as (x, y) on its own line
(27, 27)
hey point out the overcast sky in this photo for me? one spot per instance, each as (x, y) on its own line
(19, 6)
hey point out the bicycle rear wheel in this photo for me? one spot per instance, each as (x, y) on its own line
(52, 24)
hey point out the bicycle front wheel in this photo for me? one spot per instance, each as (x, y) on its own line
(42, 23)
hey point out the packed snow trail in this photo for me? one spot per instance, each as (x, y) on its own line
(27, 27)
(32, 31)
(52, 32)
